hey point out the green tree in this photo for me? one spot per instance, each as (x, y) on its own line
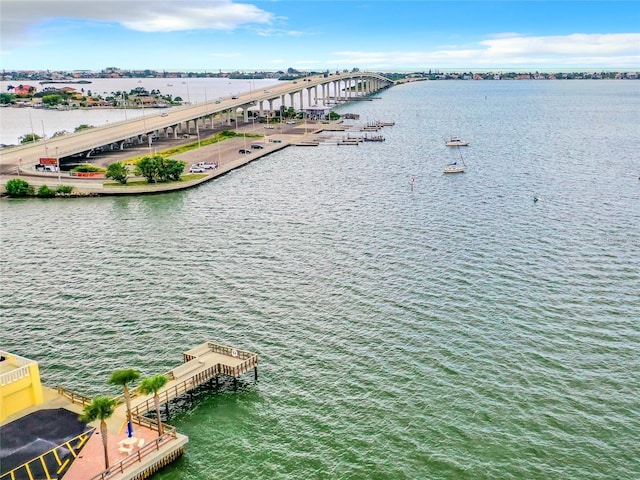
(101, 408)
(171, 169)
(51, 100)
(124, 378)
(149, 168)
(64, 189)
(6, 98)
(153, 385)
(17, 187)
(46, 192)
(29, 137)
(118, 171)
(82, 127)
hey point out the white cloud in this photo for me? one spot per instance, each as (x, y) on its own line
(188, 15)
(586, 50)
(273, 32)
(21, 17)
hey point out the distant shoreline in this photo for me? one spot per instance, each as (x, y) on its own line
(43, 82)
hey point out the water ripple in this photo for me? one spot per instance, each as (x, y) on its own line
(456, 330)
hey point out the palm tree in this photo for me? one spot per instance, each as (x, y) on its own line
(123, 378)
(153, 385)
(100, 408)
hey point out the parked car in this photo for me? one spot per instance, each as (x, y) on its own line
(196, 169)
(208, 165)
(235, 97)
(164, 114)
(244, 150)
(291, 122)
(256, 146)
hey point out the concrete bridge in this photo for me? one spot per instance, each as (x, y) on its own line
(301, 94)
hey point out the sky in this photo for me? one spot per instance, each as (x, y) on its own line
(372, 35)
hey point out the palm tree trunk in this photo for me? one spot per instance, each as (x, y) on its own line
(127, 401)
(156, 401)
(103, 433)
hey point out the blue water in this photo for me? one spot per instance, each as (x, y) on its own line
(451, 328)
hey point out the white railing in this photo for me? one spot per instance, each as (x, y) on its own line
(14, 359)
(14, 375)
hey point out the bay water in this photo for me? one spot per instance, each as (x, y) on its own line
(410, 324)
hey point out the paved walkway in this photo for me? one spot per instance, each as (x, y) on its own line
(91, 462)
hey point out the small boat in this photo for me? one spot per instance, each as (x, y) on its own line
(456, 167)
(456, 142)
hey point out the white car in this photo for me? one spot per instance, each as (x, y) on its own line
(270, 127)
(208, 165)
(196, 169)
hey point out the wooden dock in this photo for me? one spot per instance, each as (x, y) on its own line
(202, 364)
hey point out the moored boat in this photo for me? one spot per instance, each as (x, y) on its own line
(456, 142)
(456, 167)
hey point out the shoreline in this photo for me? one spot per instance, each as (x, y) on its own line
(225, 153)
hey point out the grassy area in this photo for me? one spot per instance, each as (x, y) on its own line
(143, 183)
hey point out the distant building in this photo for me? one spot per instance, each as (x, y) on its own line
(316, 112)
(25, 90)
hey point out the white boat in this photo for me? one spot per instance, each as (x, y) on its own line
(456, 142)
(456, 167)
